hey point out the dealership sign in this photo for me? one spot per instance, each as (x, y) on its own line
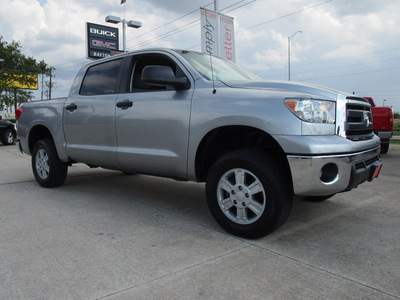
(102, 41)
(217, 34)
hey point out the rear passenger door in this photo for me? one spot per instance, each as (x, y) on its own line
(153, 131)
(89, 118)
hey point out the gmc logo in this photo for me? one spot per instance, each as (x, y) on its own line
(102, 44)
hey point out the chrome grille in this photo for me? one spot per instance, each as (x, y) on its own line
(358, 119)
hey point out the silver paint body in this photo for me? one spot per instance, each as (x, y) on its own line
(160, 134)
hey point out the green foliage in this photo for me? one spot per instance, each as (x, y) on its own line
(12, 63)
(9, 95)
(396, 126)
(396, 115)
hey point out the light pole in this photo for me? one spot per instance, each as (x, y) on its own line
(384, 102)
(130, 23)
(289, 39)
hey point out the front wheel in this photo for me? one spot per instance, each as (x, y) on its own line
(8, 137)
(248, 194)
(48, 169)
(385, 147)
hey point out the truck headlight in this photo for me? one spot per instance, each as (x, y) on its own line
(313, 111)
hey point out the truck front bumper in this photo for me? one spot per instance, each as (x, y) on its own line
(315, 175)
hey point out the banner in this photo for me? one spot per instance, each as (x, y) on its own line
(217, 35)
(227, 38)
(209, 32)
(7, 116)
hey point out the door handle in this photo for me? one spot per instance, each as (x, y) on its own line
(71, 107)
(125, 104)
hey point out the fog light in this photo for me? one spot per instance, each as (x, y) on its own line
(329, 173)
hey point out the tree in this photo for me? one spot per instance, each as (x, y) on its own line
(12, 96)
(46, 71)
(14, 66)
(50, 84)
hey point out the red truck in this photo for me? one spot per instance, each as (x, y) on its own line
(382, 118)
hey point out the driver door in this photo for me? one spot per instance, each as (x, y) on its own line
(153, 130)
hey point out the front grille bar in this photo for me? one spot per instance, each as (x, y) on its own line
(358, 120)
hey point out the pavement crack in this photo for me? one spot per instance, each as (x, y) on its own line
(319, 269)
(176, 272)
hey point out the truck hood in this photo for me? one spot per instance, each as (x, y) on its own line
(296, 87)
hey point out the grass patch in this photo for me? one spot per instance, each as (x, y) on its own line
(396, 127)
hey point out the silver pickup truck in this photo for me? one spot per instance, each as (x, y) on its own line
(188, 116)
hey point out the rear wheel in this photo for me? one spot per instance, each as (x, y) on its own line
(48, 169)
(248, 194)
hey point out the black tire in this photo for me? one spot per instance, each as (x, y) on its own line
(248, 194)
(8, 137)
(384, 147)
(48, 169)
(317, 198)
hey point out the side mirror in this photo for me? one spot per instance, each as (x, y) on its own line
(162, 76)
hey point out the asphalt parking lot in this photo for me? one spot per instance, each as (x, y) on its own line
(105, 235)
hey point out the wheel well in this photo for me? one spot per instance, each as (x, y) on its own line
(226, 139)
(37, 133)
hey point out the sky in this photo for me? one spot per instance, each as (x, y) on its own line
(348, 45)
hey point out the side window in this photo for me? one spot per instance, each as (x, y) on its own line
(136, 84)
(101, 79)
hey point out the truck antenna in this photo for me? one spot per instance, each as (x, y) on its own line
(212, 75)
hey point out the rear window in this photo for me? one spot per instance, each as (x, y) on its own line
(101, 79)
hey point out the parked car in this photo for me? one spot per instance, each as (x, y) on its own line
(382, 118)
(170, 113)
(7, 132)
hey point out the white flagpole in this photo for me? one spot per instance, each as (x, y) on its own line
(124, 29)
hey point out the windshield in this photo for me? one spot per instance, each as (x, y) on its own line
(221, 70)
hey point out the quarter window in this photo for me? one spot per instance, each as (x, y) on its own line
(101, 79)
